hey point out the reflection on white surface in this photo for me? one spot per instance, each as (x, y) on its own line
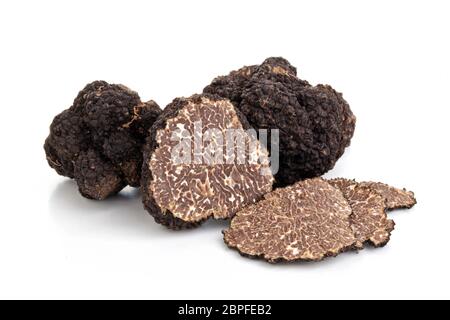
(121, 215)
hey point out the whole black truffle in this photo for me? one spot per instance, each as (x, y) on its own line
(315, 123)
(98, 140)
(210, 181)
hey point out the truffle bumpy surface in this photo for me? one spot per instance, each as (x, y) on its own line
(182, 194)
(315, 122)
(98, 140)
(309, 221)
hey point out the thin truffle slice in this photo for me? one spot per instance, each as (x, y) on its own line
(190, 173)
(395, 198)
(98, 140)
(369, 219)
(309, 220)
(315, 123)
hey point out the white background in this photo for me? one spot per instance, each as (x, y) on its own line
(389, 58)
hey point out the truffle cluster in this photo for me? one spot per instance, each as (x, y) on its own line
(316, 218)
(189, 162)
(315, 123)
(98, 140)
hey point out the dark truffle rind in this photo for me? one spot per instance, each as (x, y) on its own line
(315, 123)
(165, 199)
(98, 140)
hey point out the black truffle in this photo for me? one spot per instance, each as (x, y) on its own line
(307, 221)
(315, 123)
(98, 140)
(207, 180)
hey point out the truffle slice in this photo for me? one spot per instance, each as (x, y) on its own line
(369, 220)
(191, 171)
(395, 198)
(315, 123)
(98, 140)
(309, 220)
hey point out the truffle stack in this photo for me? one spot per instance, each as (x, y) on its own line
(314, 219)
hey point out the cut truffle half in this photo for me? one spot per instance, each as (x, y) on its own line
(369, 219)
(200, 162)
(98, 140)
(307, 221)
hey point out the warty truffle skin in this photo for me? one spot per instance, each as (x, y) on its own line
(183, 195)
(98, 140)
(315, 122)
